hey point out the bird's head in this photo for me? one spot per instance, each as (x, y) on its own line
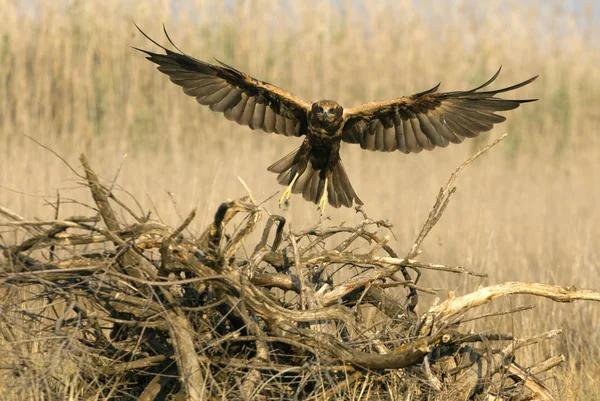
(327, 111)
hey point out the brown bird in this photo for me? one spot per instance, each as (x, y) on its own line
(409, 124)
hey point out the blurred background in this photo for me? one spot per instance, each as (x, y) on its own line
(526, 211)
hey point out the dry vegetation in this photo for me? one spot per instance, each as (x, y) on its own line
(144, 311)
(528, 212)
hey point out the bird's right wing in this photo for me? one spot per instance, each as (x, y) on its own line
(237, 95)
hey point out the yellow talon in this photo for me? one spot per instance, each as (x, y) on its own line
(323, 200)
(287, 194)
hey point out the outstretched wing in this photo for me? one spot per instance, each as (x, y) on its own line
(428, 119)
(241, 98)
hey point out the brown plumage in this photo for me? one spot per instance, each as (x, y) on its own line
(409, 124)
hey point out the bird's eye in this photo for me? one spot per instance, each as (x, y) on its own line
(320, 109)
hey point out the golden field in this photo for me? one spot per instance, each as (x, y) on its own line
(526, 211)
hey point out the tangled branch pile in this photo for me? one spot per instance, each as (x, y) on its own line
(95, 308)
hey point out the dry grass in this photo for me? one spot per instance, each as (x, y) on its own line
(527, 211)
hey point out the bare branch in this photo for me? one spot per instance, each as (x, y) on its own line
(454, 306)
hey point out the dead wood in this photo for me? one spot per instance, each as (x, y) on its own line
(143, 311)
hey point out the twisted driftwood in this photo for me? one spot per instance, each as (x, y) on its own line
(139, 310)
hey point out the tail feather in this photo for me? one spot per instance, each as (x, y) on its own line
(338, 189)
(332, 195)
(310, 192)
(304, 183)
(285, 177)
(345, 187)
(284, 163)
(311, 182)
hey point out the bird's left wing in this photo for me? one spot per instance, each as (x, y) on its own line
(428, 119)
(237, 95)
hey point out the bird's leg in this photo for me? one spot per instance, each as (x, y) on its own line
(287, 194)
(323, 200)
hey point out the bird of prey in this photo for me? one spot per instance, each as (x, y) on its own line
(409, 124)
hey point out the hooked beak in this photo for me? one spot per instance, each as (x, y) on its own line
(325, 114)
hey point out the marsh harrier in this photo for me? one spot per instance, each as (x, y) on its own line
(425, 120)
